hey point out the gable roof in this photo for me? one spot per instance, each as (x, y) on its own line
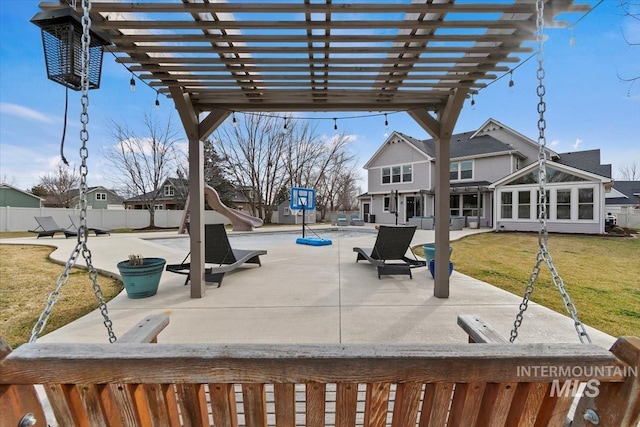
(397, 137)
(629, 193)
(559, 166)
(463, 146)
(587, 160)
(11, 187)
(73, 193)
(181, 184)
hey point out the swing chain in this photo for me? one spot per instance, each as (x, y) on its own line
(543, 233)
(83, 231)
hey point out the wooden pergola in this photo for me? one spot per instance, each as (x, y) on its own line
(423, 57)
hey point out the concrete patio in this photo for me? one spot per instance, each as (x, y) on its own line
(305, 294)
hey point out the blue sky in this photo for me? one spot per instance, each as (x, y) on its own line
(588, 107)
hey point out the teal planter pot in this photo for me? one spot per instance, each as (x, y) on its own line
(430, 251)
(141, 281)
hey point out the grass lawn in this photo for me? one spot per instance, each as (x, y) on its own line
(27, 277)
(601, 274)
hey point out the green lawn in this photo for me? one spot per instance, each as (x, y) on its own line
(601, 274)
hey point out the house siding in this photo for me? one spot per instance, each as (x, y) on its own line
(15, 198)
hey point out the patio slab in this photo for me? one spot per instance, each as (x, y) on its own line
(305, 294)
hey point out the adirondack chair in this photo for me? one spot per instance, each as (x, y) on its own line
(138, 383)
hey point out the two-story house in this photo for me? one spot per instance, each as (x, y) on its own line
(172, 195)
(98, 197)
(483, 162)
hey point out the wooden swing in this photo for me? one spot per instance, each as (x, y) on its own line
(139, 382)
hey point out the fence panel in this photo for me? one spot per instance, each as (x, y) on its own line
(22, 219)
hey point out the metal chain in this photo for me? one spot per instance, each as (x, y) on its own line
(83, 231)
(543, 234)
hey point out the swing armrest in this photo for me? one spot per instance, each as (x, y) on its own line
(146, 331)
(479, 331)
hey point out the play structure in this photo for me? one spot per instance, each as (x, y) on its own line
(241, 221)
(304, 199)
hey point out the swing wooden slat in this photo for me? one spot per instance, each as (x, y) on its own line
(135, 384)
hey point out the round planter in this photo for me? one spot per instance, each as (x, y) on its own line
(141, 281)
(432, 268)
(430, 251)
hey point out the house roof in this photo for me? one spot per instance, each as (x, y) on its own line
(21, 191)
(587, 160)
(630, 191)
(180, 183)
(76, 192)
(493, 124)
(559, 166)
(463, 146)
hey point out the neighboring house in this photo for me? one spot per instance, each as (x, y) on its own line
(242, 198)
(482, 162)
(16, 198)
(287, 216)
(625, 195)
(172, 195)
(97, 198)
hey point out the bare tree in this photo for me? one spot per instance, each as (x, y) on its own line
(142, 162)
(630, 172)
(264, 155)
(58, 185)
(253, 151)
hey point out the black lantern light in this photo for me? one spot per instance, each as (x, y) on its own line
(62, 42)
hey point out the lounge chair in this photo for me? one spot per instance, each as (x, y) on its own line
(47, 227)
(75, 223)
(342, 220)
(391, 244)
(355, 220)
(217, 250)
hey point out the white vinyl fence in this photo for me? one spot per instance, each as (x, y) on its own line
(22, 219)
(626, 217)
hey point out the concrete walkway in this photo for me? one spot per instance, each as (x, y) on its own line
(305, 294)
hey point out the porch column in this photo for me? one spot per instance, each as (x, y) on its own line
(196, 216)
(443, 151)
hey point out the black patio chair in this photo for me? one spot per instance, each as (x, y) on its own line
(47, 227)
(391, 244)
(218, 250)
(75, 223)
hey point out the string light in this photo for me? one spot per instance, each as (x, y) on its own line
(511, 82)
(335, 124)
(386, 126)
(473, 101)
(132, 84)
(157, 102)
(285, 123)
(234, 122)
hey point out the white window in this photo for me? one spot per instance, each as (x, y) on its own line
(506, 205)
(101, 196)
(461, 170)
(168, 190)
(563, 204)
(585, 203)
(524, 204)
(395, 174)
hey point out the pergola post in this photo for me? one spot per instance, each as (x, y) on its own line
(441, 130)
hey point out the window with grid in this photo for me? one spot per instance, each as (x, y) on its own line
(524, 204)
(506, 205)
(168, 190)
(461, 170)
(101, 196)
(585, 203)
(563, 204)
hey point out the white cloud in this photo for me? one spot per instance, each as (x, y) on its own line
(577, 143)
(23, 112)
(555, 143)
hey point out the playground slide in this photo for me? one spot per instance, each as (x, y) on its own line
(240, 220)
